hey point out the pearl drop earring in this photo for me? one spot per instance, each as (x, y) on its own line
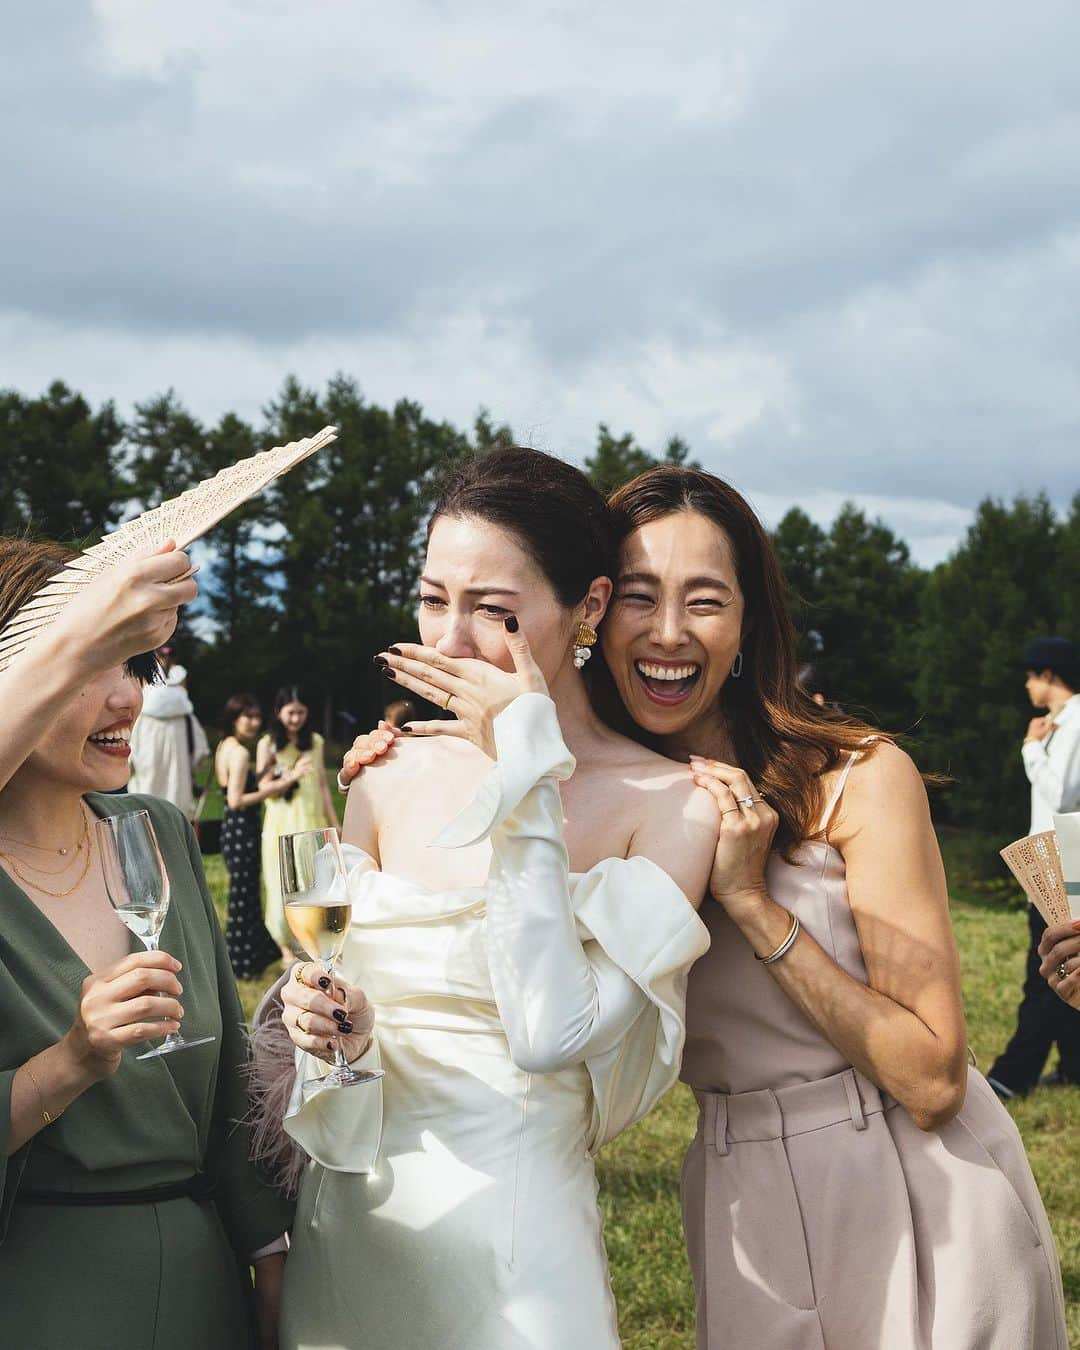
(583, 642)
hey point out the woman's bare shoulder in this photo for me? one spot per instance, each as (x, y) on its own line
(414, 757)
(636, 761)
(884, 785)
(662, 787)
(231, 752)
(675, 822)
(886, 770)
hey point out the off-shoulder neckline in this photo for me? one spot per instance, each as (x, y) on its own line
(479, 890)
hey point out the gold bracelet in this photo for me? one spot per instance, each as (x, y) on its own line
(41, 1097)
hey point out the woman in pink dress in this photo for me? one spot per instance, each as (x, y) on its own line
(853, 1185)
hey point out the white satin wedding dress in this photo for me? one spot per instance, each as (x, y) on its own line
(521, 1024)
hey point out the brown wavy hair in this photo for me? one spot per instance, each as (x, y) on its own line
(782, 738)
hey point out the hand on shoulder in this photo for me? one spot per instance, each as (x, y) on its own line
(392, 792)
(368, 748)
(679, 826)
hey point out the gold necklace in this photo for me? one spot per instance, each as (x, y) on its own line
(56, 895)
(48, 848)
(84, 838)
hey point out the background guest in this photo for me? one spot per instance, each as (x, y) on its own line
(810, 682)
(292, 751)
(251, 946)
(399, 712)
(167, 742)
(1051, 755)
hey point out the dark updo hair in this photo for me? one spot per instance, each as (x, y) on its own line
(290, 693)
(25, 566)
(560, 519)
(237, 706)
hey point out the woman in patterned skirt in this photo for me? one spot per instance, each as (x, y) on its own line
(251, 948)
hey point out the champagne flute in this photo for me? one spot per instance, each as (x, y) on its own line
(138, 889)
(318, 910)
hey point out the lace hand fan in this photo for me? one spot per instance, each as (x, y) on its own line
(1036, 864)
(184, 518)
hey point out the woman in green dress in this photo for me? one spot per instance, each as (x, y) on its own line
(129, 1212)
(290, 748)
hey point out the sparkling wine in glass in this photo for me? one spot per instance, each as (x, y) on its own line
(318, 911)
(138, 889)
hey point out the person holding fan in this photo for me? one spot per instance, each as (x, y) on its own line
(129, 1211)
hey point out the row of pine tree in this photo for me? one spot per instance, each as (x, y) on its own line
(310, 579)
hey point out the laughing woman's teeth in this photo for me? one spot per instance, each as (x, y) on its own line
(667, 684)
(113, 738)
(653, 672)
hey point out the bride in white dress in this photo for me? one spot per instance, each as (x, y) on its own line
(520, 942)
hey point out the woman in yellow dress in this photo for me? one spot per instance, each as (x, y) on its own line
(290, 747)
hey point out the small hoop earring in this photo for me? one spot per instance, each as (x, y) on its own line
(737, 665)
(584, 639)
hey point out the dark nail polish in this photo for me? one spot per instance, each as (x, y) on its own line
(379, 661)
(340, 1015)
(511, 623)
(346, 1028)
(330, 1046)
(389, 674)
(324, 983)
(394, 651)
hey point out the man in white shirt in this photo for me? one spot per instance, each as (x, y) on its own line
(1051, 755)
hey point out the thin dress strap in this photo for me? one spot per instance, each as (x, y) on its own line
(838, 791)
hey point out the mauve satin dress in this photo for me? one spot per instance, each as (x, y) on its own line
(817, 1216)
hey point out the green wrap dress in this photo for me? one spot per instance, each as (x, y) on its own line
(159, 1274)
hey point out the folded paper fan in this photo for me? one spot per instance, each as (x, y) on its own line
(184, 518)
(1036, 864)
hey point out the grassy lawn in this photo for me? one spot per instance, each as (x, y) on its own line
(639, 1173)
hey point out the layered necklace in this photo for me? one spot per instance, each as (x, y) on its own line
(82, 845)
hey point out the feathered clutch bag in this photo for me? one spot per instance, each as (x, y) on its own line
(184, 518)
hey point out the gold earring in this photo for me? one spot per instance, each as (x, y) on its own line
(585, 639)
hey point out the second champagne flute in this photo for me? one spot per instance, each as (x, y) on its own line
(318, 910)
(137, 884)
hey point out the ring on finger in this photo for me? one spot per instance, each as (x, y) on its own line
(1062, 972)
(729, 810)
(449, 700)
(298, 973)
(745, 801)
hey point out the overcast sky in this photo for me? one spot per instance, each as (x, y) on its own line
(834, 245)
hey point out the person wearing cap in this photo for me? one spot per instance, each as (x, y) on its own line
(1051, 755)
(168, 742)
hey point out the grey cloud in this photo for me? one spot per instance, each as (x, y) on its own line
(867, 166)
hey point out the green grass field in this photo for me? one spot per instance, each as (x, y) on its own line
(639, 1173)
